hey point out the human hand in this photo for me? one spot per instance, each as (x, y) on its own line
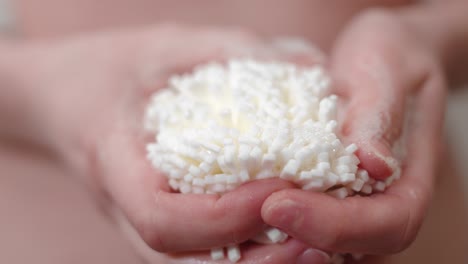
(393, 93)
(90, 104)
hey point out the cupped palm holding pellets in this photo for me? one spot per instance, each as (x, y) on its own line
(94, 91)
(222, 126)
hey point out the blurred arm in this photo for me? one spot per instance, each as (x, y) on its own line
(444, 25)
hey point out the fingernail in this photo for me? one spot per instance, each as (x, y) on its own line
(378, 165)
(313, 256)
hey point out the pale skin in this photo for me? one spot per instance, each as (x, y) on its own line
(92, 94)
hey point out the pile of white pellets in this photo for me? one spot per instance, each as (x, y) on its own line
(224, 125)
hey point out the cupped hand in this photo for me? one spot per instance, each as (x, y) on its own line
(393, 94)
(89, 98)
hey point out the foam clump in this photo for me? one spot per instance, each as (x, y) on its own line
(224, 125)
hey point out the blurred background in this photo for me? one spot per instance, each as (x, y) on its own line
(46, 217)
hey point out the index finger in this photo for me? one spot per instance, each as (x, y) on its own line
(179, 222)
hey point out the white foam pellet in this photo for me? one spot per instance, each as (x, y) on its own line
(209, 179)
(210, 146)
(316, 185)
(185, 188)
(233, 179)
(233, 253)
(290, 170)
(224, 125)
(275, 235)
(367, 189)
(345, 160)
(256, 154)
(198, 190)
(262, 238)
(198, 182)
(218, 188)
(347, 177)
(380, 186)
(357, 185)
(341, 169)
(305, 175)
(317, 173)
(323, 157)
(332, 179)
(323, 166)
(244, 176)
(363, 175)
(340, 193)
(217, 253)
(205, 167)
(195, 171)
(174, 184)
(268, 160)
(303, 154)
(220, 178)
(331, 126)
(188, 178)
(351, 148)
(389, 181)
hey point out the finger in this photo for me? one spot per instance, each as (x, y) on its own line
(179, 222)
(206, 221)
(381, 223)
(288, 252)
(373, 93)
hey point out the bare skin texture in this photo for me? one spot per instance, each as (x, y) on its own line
(80, 101)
